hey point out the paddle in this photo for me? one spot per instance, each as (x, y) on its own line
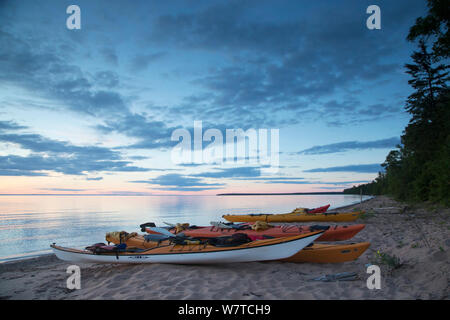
(161, 231)
(166, 232)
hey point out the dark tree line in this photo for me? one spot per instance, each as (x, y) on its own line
(419, 169)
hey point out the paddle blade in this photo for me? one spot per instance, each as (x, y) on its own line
(161, 231)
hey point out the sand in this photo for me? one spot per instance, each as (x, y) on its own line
(419, 237)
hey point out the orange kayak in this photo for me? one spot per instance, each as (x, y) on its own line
(334, 233)
(329, 253)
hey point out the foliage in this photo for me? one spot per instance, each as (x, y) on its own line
(387, 259)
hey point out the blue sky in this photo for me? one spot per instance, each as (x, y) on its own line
(93, 110)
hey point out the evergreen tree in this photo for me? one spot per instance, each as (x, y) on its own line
(435, 25)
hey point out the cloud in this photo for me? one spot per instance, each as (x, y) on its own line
(276, 66)
(237, 172)
(48, 72)
(57, 156)
(38, 143)
(151, 134)
(108, 79)
(192, 164)
(18, 172)
(9, 125)
(141, 61)
(330, 188)
(194, 189)
(292, 65)
(79, 164)
(94, 178)
(110, 55)
(62, 189)
(351, 145)
(360, 168)
(178, 182)
(276, 179)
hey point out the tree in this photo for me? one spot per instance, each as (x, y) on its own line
(429, 83)
(435, 25)
(425, 104)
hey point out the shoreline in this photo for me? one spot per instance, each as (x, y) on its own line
(419, 237)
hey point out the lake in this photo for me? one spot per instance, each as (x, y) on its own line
(29, 224)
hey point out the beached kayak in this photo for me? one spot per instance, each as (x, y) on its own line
(333, 233)
(167, 252)
(316, 210)
(295, 217)
(329, 253)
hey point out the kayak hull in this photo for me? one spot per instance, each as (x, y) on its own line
(329, 253)
(296, 217)
(263, 250)
(334, 233)
(319, 209)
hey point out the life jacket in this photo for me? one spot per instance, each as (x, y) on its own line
(181, 227)
(318, 227)
(236, 239)
(99, 248)
(147, 224)
(119, 236)
(261, 226)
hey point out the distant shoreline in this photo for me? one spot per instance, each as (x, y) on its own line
(279, 194)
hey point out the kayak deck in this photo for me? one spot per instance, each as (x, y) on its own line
(329, 253)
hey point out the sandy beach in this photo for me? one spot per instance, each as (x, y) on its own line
(419, 237)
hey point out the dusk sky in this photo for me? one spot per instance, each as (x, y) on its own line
(92, 111)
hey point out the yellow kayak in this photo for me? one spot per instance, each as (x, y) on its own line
(295, 216)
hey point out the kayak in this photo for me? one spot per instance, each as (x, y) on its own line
(329, 253)
(334, 233)
(167, 252)
(295, 217)
(317, 210)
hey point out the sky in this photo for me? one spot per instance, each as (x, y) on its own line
(95, 110)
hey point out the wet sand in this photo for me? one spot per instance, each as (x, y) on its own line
(419, 237)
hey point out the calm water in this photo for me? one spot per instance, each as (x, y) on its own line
(29, 224)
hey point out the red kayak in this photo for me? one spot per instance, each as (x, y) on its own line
(334, 233)
(319, 209)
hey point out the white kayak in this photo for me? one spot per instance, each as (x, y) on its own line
(165, 252)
